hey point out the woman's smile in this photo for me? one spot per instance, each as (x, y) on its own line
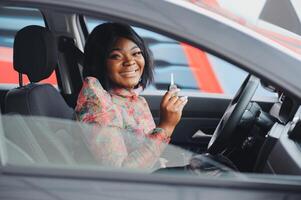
(130, 73)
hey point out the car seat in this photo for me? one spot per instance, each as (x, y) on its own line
(39, 120)
(35, 54)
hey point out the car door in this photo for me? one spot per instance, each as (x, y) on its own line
(20, 180)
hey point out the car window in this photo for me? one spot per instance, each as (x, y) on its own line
(13, 19)
(66, 144)
(171, 56)
(57, 142)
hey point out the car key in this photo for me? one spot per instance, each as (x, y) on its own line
(172, 85)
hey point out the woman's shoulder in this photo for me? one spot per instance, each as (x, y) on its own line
(92, 86)
(91, 81)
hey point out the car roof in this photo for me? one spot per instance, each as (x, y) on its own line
(197, 26)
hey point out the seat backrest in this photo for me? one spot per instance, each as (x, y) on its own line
(37, 140)
(35, 54)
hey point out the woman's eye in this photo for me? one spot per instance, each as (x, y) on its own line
(138, 53)
(114, 56)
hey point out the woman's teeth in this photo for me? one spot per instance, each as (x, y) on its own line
(129, 73)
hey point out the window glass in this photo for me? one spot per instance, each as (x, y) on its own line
(195, 71)
(54, 147)
(13, 19)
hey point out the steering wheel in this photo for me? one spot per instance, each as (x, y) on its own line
(224, 132)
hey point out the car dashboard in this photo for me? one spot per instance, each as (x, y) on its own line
(281, 150)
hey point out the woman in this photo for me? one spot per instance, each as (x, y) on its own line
(117, 66)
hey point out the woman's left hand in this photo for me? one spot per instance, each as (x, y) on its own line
(171, 108)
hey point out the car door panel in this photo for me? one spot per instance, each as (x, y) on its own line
(201, 115)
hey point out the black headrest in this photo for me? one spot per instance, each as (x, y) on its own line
(35, 52)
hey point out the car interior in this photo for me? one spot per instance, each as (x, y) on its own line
(254, 135)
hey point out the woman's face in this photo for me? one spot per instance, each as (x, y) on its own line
(125, 63)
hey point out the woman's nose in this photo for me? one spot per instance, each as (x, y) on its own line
(129, 60)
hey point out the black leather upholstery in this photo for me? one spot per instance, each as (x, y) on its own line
(38, 100)
(35, 54)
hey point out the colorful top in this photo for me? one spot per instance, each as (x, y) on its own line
(125, 133)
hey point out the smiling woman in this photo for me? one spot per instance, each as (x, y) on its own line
(117, 66)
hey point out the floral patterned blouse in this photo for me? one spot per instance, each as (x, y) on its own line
(125, 134)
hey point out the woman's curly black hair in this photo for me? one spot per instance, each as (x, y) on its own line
(99, 44)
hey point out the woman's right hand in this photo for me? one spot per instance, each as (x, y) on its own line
(171, 108)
